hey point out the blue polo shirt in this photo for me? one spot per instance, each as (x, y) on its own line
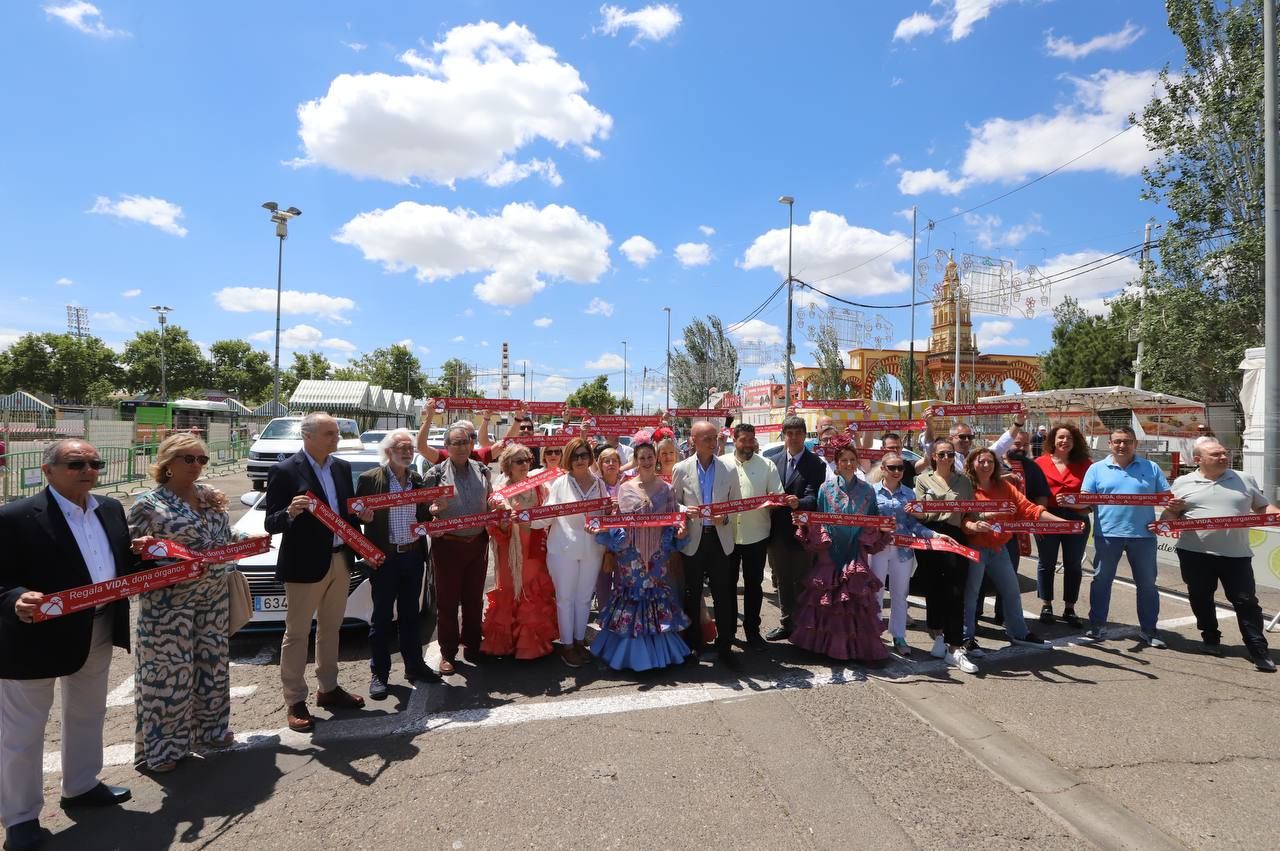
(1124, 521)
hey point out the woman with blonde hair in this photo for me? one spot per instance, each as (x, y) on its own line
(183, 694)
(520, 619)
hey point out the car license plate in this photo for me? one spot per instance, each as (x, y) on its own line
(271, 603)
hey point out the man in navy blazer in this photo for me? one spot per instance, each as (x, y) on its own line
(61, 538)
(314, 565)
(802, 473)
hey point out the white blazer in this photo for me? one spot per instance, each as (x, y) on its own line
(569, 537)
(684, 481)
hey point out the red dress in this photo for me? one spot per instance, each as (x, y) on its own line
(520, 616)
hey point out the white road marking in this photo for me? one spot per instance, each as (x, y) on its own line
(122, 695)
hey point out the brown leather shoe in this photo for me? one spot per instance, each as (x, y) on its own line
(446, 667)
(300, 720)
(339, 698)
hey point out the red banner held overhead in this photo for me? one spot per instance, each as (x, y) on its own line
(996, 506)
(884, 523)
(603, 422)
(544, 409)
(831, 405)
(700, 413)
(1204, 524)
(634, 521)
(535, 441)
(463, 403)
(531, 482)
(885, 425)
(942, 545)
(976, 410)
(378, 501)
(1151, 499)
(344, 530)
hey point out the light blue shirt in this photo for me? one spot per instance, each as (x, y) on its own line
(1124, 521)
(706, 481)
(893, 503)
(324, 472)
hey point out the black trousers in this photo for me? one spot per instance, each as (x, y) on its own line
(1202, 573)
(710, 562)
(751, 559)
(945, 575)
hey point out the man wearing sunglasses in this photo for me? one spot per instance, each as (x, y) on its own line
(61, 538)
(961, 438)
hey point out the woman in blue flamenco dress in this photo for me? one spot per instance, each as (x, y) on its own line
(641, 622)
(838, 610)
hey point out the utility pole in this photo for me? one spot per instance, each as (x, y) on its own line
(668, 310)
(911, 344)
(1146, 270)
(1271, 401)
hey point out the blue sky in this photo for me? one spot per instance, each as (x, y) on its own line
(554, 174)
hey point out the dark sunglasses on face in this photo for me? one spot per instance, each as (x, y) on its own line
(522, 461)
(894, 468)
(527, 428)
(553, 452)
(944, 455)
(192, 459)
(964, 437)
(95, 464)
(581, 456)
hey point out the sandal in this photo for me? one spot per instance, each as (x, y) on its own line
(225, 742)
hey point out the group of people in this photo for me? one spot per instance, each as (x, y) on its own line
(647, 577)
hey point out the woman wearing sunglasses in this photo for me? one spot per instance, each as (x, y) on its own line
(573, 554)
(183, 686)
(897, 563)
(945, 574)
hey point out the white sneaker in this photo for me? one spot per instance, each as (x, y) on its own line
(958, 659)
(939, 650)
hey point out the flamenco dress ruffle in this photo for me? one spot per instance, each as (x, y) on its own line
(838, 612)
(640, 624)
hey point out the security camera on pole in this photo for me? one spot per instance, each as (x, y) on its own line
(281, 218)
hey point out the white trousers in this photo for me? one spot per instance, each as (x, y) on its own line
(888, 563)
(575, 581)
(24, 712)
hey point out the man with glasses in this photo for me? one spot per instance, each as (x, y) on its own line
(961, 438)
(61, 538)
(460, 558)
(1122, 530)
(397, 584)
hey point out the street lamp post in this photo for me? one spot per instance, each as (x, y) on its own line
(668, 310)
(624, 371)
(163, 311)
(281, 219)
(790, 377)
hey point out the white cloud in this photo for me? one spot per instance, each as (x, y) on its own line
(1065, 48)
(458, 339)
(64, 282)
(995, 335)
(336, 344)
(551, 387)
(510, 88)
(147, 209)
(892, 159)
(9, 336)
(895, 82)
(1089, 288)
(989, 235)
(707, 230)
(918, 24)
(653, 23)
(607, 361)
(484, 344)
(638, 250)
(469, 312)
(84, 17)
(251, 299)
(426, 350)
(966, 13)
(838, 257)
(355, 46)
(930, 180)
(518, 248)
(543, 322)
(134, 293)
(693, 254)
(757, 331)
(808, 298)
(599, 307)
(922, 345)
(307, 337)
(513, 172)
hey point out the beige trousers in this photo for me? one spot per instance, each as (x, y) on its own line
(326, 602)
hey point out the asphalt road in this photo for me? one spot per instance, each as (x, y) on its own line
(1079, 745)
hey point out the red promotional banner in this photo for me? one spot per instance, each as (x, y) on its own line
(633, 521)
(734, 506)
(564, 509)
(886, 425)
(997, 506)
(217, 555)
(938, 545)
(624, 422)
(544, 409)
(699, 413)
(534, 441)
(462, 521)
(580, 431)
(84, 597)
(1039, 527)
(831, 405)
(1152, 499)
(575, 412)
(344, 530)
(529, 483)
(977, 410)
(884, 523)
(462, 403)
(377, 501)
(1198, 524)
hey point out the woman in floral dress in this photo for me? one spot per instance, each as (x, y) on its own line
(520, 619)
(640, 624)
(182, 685)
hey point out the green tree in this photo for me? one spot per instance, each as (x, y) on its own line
(394, 367)
(594, 395)
(305, 365)
(708, 359)
(185, 368)
(26, 365)
(1088, 351)
(61, 366)
(240, 370)
(881, 389)
(924, 388)
(829, 383)
(456, 379)
(1208, 128)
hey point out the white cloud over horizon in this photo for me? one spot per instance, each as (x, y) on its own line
(639, 250)
(304, 337)
(1065, 48)
(757, 331)
(649, 23)
(147, 209)
(599, 307)
(292, 302)
(959, 16)
(690, 254)
(85, 17)
(849, 259)
(608, 361)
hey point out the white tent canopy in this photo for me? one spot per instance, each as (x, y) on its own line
(1091, 399)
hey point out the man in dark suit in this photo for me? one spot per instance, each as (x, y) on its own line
(397, 584)
(802, 473)
(61, 538)
(314, 565)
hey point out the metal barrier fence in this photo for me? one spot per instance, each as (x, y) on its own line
(127, 466)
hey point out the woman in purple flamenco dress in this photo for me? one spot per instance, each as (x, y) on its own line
(640, 624)
(838, 611)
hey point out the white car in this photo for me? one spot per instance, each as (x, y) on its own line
(269, 601)
(281, 438)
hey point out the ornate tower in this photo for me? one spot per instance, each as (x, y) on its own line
(942, 336)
